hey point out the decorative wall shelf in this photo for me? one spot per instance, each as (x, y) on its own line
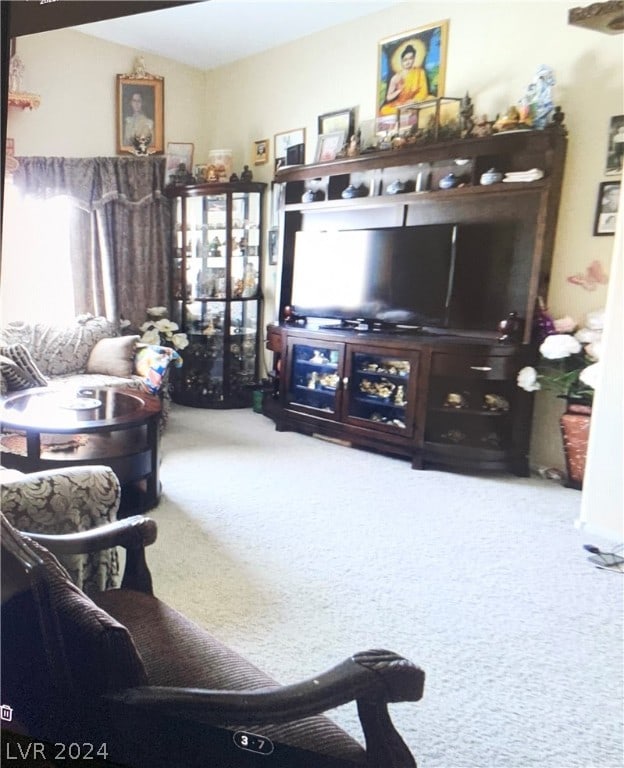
(607, 17)
(24, 100)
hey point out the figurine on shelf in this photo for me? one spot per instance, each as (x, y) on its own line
(482, 127)
(466, 110)
(246, 175)
(353, 150)
(539, 96)
(233, 178)
(16, 70)
(181, 176)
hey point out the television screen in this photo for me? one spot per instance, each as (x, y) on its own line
(393, 275)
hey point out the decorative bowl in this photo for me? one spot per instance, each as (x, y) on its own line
(449, 181)
(491, 177)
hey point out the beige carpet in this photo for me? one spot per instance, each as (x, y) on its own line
(298, 553)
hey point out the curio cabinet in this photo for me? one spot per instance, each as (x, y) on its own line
(216, 291)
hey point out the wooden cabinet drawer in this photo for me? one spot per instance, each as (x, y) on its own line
(474, 366)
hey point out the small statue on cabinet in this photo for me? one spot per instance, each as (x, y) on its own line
(181, 176)
(466, 110)
(246, 175)
(355, 141)
(482, 127)
(233, 178)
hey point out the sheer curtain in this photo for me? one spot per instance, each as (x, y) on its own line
(118, 229)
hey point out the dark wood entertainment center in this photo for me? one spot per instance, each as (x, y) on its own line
(443, 397)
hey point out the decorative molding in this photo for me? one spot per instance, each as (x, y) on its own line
(139, 72)
(607, 17)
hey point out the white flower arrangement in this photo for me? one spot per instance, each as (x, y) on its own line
(158, 329)
(572, 358)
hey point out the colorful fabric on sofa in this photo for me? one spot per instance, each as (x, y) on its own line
(151, 363)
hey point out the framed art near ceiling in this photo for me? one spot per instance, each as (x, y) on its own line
(341, 120)
(607, 208)
(140, 115)
(411, 67)
(615, 150)
(290, 148)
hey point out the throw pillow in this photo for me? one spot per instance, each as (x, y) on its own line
(113, 357)
(151, 364)
(18, 368)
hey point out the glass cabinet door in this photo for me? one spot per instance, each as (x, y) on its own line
(379, 391)
(216, 291)
(314, 376)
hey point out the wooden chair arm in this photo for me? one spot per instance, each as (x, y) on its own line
(133, 533)
(372, 678)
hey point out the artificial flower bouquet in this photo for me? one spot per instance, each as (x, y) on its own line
(570, 359)
(159, 330)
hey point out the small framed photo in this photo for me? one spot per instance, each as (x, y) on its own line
(273, 239)
(607, 208)
(329, 145)
(178, 154)
(140, 115)
(615, 149)
(261, 152)
(341, 120)
(289, 148)
(201, 173)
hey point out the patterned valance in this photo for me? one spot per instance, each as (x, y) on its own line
(93, 181)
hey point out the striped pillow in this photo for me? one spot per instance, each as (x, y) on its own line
(19, 369)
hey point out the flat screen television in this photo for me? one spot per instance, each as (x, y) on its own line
(389, 276)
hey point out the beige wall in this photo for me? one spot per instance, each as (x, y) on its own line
(494, 50)
(75, 75)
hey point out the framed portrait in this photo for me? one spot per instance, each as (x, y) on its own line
(607, 208)
(329, 145)
(289, 148)
(411, 67)
(178, 153)
(341, 120)
(273, 237)
(615, 149)
(261, 152)
(140, 115)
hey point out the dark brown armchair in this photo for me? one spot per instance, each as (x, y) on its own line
(133, 674)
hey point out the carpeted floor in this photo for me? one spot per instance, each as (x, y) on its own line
(298, 552)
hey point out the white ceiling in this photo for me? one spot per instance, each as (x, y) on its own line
(216, 32)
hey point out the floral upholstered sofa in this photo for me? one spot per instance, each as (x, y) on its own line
(87, 353)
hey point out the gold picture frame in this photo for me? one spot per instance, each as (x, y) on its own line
(261, 152)
(411, 67)
(140, 114)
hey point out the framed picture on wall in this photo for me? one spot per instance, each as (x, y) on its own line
(411, 67)
(178, 153)
(290, 148)
(341, 120)
(615, 149)
(140, 115)
(607, 208)
(261, 152)
(329, 145)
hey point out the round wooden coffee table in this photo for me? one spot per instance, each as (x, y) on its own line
(46, 428)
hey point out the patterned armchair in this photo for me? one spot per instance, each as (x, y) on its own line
(67, 500)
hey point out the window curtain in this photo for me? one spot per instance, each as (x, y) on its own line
(120, 229)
